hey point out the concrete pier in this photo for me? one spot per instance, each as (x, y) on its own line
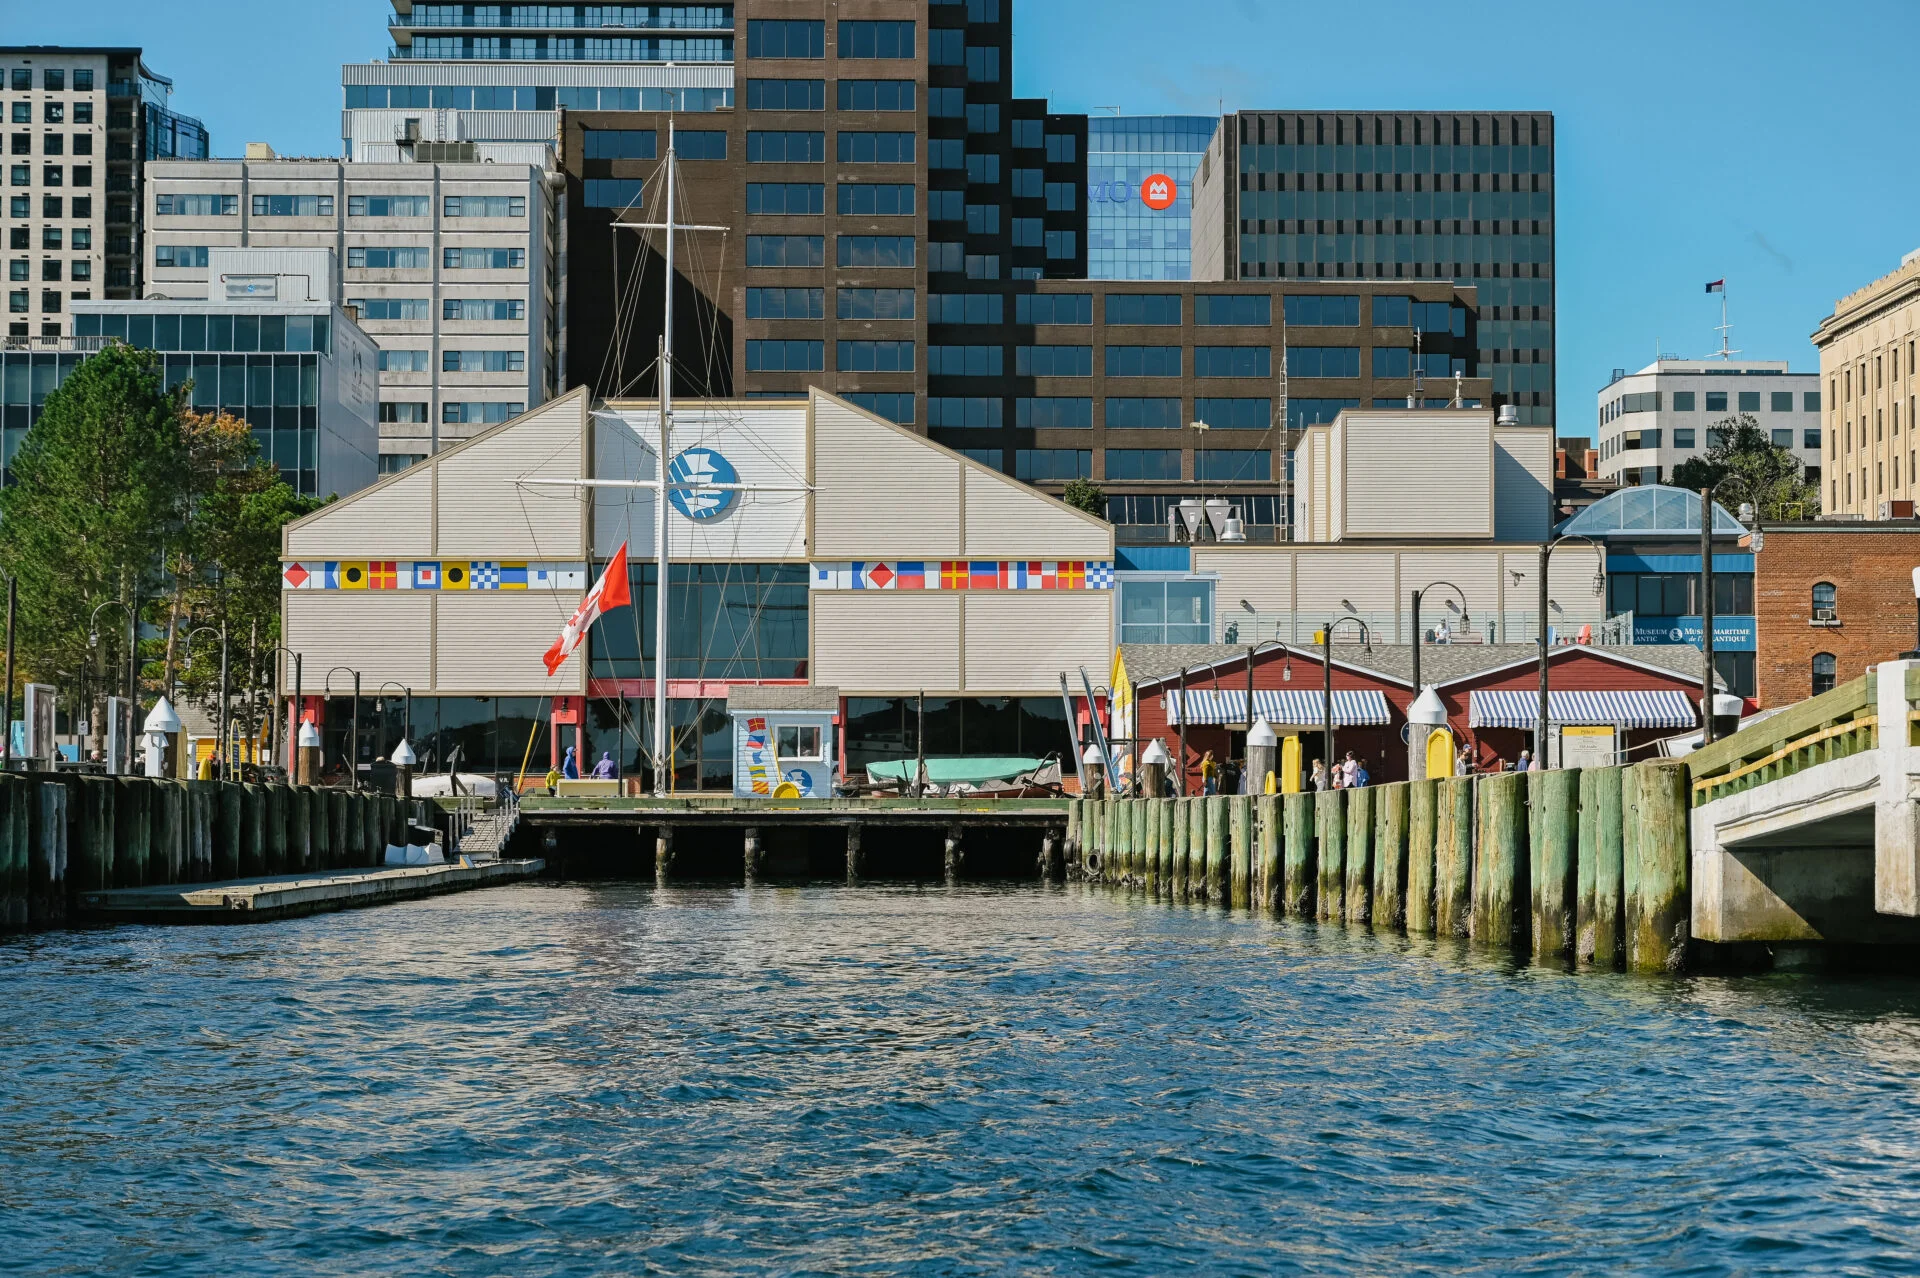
(1553, 827)
(1422, 813)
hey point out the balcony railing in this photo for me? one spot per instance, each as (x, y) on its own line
(596, 49)
(569, 18)
(62, 343)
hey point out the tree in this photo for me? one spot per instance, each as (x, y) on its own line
(1084, 494)
(1747, 466)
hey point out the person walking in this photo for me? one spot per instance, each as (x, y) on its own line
(570, 766)
(1360, 774)
(603, 770)
(1463, 763)
(1319, 778)
(553, 781)
(1209, 774)
(1349, 766)
(1526, 761)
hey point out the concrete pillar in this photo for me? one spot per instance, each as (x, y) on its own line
(1658, 906)
(1390, 856)
(1896, 819)
(1553, 831)
(1240, 834)
(954, 856)
(1453, 856)
(1179, 844)
(1360, 854)
(1500, 861)
(663, 856)
(756, 854)
(1197, 848)
(1330, 818)
(1598, 938)
(1298, 868)
(1219, 818)
(1422, 811)
(1266, 860)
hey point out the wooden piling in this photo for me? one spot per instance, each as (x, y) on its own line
(49, 827)
(1422, 813)
(1390, 856)
(13, 854)
(299, 828)
(1360, 854)
(201, 798)
(1218, 820)
(1553, 827)
(1051, 844)
(1658, 906)
(253, 843)
(130, 832)
(1170, 818)
(1330, 812)
(1142, 844)
(663, 856)
(1240, 853)
(1453, 856)
(754, 853)
(373, 845)
(1298, 866)
(856, 859)
(1266, 875)
(1092, 838)
(169, 830)
(1197, 848)
(273, 829)
(1070, 847)
(1151, 838)
(1500, 861)
(1180, 843)
(955, 855)
(1599, 940)
(320, 829)
(93, 862)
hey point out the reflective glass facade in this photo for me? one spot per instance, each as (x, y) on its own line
(1126, 238)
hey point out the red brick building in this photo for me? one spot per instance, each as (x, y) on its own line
(1830, 598)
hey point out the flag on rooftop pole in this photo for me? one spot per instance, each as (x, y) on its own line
(608, 593)
(1717, 286)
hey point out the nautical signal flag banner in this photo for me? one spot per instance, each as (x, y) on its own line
(608, 593)
(965, 574)
(450, 574)
(1718, 286)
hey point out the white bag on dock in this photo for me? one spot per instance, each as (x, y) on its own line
(415, 854)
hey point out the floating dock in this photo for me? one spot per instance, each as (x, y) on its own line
(285, 896)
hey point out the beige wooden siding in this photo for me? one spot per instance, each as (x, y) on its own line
(1416, 475)
(1523, 483)
(1318, 464)
(1021, 641)
(384, 635)
(1326, 577)
(878, 491)
(391, 519)
(1264, 578)
(1475, 571)
(491, 642)
(875, 641)
(1008, 520)
(487, 512)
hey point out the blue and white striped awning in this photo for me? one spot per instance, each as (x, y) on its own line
(1654, 708)
(1351, 707)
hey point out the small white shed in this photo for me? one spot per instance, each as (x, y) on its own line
(784, 740)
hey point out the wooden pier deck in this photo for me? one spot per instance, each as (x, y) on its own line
(283, 896)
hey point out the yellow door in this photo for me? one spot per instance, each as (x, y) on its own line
(1440, 753)
(1290, 765)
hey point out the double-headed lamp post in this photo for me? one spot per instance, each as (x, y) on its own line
(1599, 584)
(226, 746)
(353, 735)
(1326, 685)
(133, 657)
(1466, 619)
(404, 770)
(273, 740)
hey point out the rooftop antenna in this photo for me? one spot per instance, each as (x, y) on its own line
(1725, 327)
(1115, 110)
(1457, 401)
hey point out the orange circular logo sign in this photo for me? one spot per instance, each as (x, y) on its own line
(1158, 192)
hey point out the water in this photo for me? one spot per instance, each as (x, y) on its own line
(602, 1079)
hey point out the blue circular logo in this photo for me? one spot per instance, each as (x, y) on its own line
(701, 466)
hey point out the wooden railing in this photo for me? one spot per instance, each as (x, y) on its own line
(1830, 726)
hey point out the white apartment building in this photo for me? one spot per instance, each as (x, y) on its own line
(449, 267)
(81, 125)
(1652, 420)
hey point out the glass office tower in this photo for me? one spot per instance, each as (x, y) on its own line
(1128, 238)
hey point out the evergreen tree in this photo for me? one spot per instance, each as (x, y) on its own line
(1749, 467)
(1084, 494)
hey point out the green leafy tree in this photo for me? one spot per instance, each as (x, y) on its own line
(1084, 494)
(1747, 466)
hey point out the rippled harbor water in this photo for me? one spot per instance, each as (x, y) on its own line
(594, 1079)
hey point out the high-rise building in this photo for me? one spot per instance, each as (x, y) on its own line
(1140, 194)
(1668, 412)
(1868, 348)
(1409, 195)
(82, 124)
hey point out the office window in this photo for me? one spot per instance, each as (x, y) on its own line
(20, 206)
(864, 39)
(1031, 184)
(17, 301)
(983, 170)
(1323, 361)
(82, 175)
(293, 206)
(83, 113)
(875, 250)
(483, 361)
(482, 259)
(983, 219)
(876, 95)
(896, 407)
(766, 146)
(1234, 414)
(1825, 673)
(1166, 611)
(878, 199)
(50, 270)
(1143, 463)
(983, 117)
(786, 303)
(1749, 401)
(786, 38)
(1062, 148)
(1062, 245)
(1143, 308)
(946, 206)
(51, 175)
(1780, 402)
(1052, 465)
(700, 144)
(1783, 438)
(876, 304)
(798, 356)
(946, 153)
(1716, 401)
(1054, 413)
(49, 300)
(1683, 401)
(983, 266)
(479, 414)
(1028, 135)
(947, 257)
(1053, 308)
(480, 308)
(965, 308)
(187, 255)
(1810, 401)
(874, 357)
(1054, 361)
(54, 79)
(1314, 310)
(83, 80)
(1062, 197)
(786, 95)
(1029, 232)
(20, 174)
(790, 251)
(965, 361)
(1231, 466)
(1143, 361)
(956, 413)
(83, 144)
(394, 308)
(403, 362)
(1128, 413)
(1810, 438)
(946, 104)
(19, 269)
(875, 148)
(486, 205)
(786, 198)
(613, 193)
(611, 144)
(53, 113)
(1233, 361)
(1683, 437)
(1222, 309)
(396, 259)
(983, 67)
(23, 79)
(387, 205)
(988, 457)
(21, 144)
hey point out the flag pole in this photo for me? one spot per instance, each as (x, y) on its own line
(662, 587)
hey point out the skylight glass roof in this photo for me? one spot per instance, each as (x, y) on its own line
(1650, 510)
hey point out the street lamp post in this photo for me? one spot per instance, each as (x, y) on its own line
(353, 733)
(1466, 619)
(406, 713)
(1706, 614)
(293, 739)
(226, 745)
(133, 657)
(1326, 687)
(1546, 554)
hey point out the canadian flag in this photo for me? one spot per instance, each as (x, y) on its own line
(608, 593)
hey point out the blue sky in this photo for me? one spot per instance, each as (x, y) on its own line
(1760, 143)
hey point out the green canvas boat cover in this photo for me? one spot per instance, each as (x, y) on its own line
(955, 771)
